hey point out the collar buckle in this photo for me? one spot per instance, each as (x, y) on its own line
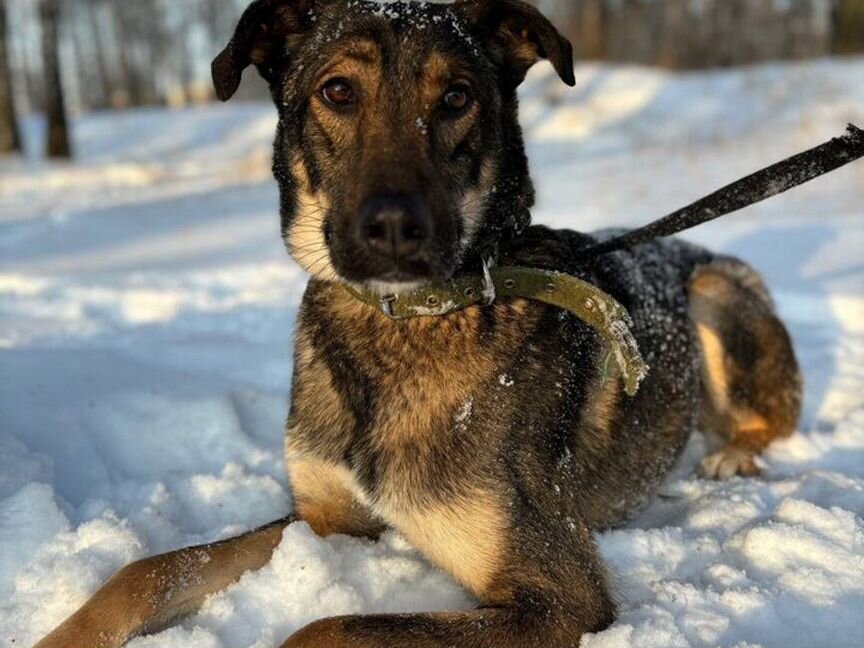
(489, 291)
(386, 304)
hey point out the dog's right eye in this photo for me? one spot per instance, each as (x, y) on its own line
(457, 99)
(339, 93)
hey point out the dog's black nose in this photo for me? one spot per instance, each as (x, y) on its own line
(396, 226)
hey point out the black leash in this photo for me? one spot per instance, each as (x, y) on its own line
(764, 184)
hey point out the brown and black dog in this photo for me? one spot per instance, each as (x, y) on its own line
(491, 438)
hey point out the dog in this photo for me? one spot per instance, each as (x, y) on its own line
(493, 437)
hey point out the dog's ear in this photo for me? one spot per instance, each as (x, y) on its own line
(260, 39)
(521, 35)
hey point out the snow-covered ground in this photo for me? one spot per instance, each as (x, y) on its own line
(146, 316)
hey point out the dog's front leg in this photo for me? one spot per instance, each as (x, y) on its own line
(540, 586)
(525, 626)
(147, 595)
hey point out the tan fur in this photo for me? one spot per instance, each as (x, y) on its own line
(421, 391)
(322, 411)
(329, 633)
(524, 51)
(358, 52)
(439, 74)
(419, 395)
(714, 375)
(466, 537)
(752, 431)
(600, 411)
(327, 497)
(147, 595)
(306, 236)
(438, 70)
(474, 202)
(749, 406)
(361, 62)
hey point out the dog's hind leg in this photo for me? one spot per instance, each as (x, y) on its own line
(148, 595)
(751, 381)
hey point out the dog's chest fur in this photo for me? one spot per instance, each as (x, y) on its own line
(402, 395)
(405, 417)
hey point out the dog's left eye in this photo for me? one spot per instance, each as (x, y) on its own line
(338, 92)
(457, 99)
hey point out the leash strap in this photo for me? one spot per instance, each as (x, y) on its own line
(590, 304)
(764, 184)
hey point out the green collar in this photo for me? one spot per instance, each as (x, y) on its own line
(590, 304)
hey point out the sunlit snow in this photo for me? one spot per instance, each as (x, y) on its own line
(147, 313)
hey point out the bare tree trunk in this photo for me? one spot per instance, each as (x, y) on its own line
(100, 69)
(55, 107)
(10, 135)
(848, 27)
(589, 24)
(123, 91)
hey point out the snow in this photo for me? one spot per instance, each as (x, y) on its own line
(145, 357)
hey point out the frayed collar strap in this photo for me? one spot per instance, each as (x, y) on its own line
(590, 304)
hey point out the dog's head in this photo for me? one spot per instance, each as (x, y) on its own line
(398, 153)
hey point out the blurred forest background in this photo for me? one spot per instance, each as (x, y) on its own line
(69, 56)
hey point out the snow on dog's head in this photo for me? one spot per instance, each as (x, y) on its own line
(398, 151)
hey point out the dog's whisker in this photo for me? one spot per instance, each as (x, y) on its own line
(312, 258)
(301, 254)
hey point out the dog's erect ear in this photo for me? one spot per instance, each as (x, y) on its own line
(260, 39)
(521, 34)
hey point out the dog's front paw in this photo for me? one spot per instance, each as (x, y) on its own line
(729, 462)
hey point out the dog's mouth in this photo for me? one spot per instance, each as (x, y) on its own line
(392, 285)
(395, 242)
(388, 276)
